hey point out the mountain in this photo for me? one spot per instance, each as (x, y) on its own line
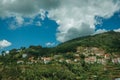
(109, 41)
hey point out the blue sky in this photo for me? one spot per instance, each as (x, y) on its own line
(30, 34)
(111, 23)
(50, 22)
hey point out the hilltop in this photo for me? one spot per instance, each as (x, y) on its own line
(109, 41)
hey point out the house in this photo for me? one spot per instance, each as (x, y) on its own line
(61, 60)
(76, 59)
(107, 56)
(24, 55)
(46, 59)
(68, 61)
(104, 61)
(91, 59)
(76, 55)
(99, 54)
(31, 58)
(91, 53)
(20, 62)
(34, 61)
(97, 51)
(116, 60)
(101, 61)
(85, 54)
(87, 60)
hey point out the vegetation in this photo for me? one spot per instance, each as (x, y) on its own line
(58, 71)
(108, 41)
(14, 66)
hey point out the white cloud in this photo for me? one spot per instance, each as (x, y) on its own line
(17, 7)
(42, 14)
(100, 31)
(19, 20)
(117, 30)
(75, 32)
(21, 9)
(50, 44)
(7, 52)
(5, 43)
(27, 8)
(75, 17)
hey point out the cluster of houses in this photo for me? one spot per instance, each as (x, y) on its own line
(91, 55)
(96, 55)
(32, 60)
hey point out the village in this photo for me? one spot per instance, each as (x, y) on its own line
(89, 55)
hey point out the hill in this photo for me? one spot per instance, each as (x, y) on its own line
(88, 63)
(109, 41)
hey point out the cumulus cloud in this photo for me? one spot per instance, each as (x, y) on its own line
(77, 15)
(50, 44)
(17, 22)
(7, 52)
(117, 30)
(75, 32)
(100, 31)
(17, 7)
(21, 9)
(5, 43)
(76, 18)
(25, 7)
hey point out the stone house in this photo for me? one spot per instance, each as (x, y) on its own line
(68, 61)
(20, 62)
(46, 59)
(106, 56)
(116, 60)
(91, 59)
(101, 61)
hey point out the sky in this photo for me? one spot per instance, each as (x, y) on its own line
(51, 22)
